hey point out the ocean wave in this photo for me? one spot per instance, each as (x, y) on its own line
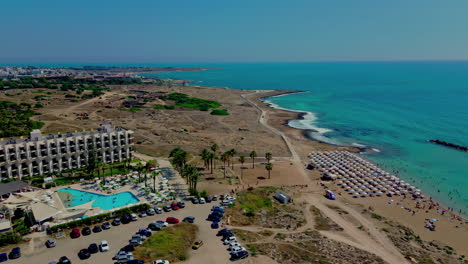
(306, 122)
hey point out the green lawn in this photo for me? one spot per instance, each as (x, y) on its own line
(255, 200)
(171, 243)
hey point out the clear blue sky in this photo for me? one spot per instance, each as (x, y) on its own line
(232, 30)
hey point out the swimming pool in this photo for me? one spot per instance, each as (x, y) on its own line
(104, 202)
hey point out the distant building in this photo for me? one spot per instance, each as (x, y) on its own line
(282, 197)
(40, 154)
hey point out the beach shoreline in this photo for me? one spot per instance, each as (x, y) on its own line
(389, 207)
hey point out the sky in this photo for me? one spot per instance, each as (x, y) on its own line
(232, 30)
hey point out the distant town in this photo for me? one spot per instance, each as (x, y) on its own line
(85, 72)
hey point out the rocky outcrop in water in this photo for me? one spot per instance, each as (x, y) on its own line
(448, 144)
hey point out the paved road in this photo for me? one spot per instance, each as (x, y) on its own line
(212, 252)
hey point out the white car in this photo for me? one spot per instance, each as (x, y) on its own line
(123, 255)
(134, 217)
(158, 210)
(229, 240)
(202, 200)
(234, 245)
(237, 249)
(104, 246)
(161, 261)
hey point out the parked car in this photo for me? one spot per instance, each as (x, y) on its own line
(75, 233)
(145, 231)
(84, 254)
(126, 219)
(159, 261)
(15, 253)
(139, 236)
(236, 249)
(158, 210)
(93, 248)
(195, 200)
(223, 231)
(86, 231)
(189, 219)
(97, 229)
(106, 225)
(229, 240)
(50, 243)
(202, 200)
(215, 225)
(239, 255)
(123, 256)
(234, 245)
(172, 220)
(3, 257)
(64, 260)
(214, 217)
(128, 248)
(208, 199)
(135, 242)
(150, 211)
(215, 198)
(227, 203)
(135, 261)
(174, 206)
(181, 204)
(116, 222)
(133, 217)
(104, 246)
(155, 226)
(167, 208)
(142, 214)
(52, 262)
(162, 223)
(197, 244)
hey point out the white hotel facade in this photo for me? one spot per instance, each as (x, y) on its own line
(38, 154)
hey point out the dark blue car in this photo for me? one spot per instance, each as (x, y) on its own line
(3, 257)
(15, 253)
(214, 217)
(223, 231)
(215, 225)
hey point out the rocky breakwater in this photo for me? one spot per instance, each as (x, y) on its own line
(449, 145)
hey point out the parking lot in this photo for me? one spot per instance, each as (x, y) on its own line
(213, 251)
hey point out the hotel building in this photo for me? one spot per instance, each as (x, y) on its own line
(40, 154)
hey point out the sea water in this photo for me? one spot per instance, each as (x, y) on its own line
(390, 107)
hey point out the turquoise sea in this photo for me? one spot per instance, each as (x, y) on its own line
(391, 107)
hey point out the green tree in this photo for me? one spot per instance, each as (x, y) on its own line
(232, 153)
(92, 161)
(224, 159)
(253, 155)
(205, 156)
(268, 156)
(268, 167)
(213, 148)
(242, 160)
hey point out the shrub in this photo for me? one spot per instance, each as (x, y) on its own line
(219, 112)
(9, 238)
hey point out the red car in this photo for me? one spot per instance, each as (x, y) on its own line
(174, 206)
(75, 233)
(172, 220)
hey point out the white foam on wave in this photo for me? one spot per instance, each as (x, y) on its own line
(358, 145)
(376, 150)
(307, 121)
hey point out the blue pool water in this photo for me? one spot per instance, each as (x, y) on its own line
(104, 202)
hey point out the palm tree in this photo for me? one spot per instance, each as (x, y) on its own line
(211, 156)
(242, 160)
(268, 167)
(139, 169)
(205, 157)
(232, 152)
(253, 155)
(153, 175)
(224, 158)
(213, 148)
(268, 156)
